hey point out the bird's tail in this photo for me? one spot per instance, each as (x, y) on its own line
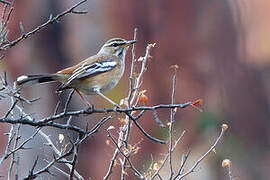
(29, 80)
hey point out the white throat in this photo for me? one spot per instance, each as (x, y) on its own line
(121, 52)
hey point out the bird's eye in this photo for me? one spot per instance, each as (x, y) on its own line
(114, 44)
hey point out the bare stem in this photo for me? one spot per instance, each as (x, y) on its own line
(51, 20)
(173, 111)
(204, 155)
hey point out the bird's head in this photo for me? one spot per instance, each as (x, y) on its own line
(117, 47)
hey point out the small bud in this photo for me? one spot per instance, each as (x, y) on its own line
(140, 59)
(143, 98)
(107, 142)
(110, 128)
(197, 104)
(123, 121)
(124, 172)
(175, 66)
(224, 127)
(124, 102)
(136, 149)
(61, 138)
(125, 151)
(151, 45)
(156, 166)
(226, 163)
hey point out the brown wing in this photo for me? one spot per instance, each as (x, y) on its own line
(68, 70)
(71, 69)
(88, 68)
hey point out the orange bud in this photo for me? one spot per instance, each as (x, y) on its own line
(143, 98)
(197, 103)
(226, 163)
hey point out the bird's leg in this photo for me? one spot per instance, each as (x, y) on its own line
(83, 99)
(108, 99)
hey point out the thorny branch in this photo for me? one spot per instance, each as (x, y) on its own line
(134, 85)
(52, 19)
(183, 162)
(21, 146)
(132, 113)
(171, 123)
(58, 153)
(50, 121)
(33, 175)
(167, 156)
(205, 154)
(126, 155)
(180, 174)
(15, 156)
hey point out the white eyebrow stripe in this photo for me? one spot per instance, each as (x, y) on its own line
(116, 42)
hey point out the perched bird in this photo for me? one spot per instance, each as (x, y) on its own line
(95, 75)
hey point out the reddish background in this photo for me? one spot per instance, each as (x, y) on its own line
(221, 47)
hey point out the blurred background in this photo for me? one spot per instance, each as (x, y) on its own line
(221, 47)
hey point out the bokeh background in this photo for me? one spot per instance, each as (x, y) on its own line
(221, 46)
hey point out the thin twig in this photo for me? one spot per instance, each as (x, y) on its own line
(131, 76)
(60, 170)
(68, 100)
(158, 121)
(25, 120)
(204, 155)
(112, 164)
(11, 108)
(17, 166)
(10, 138)
(167, 156)
(21, 146)
(48, 121)
(137, 173)
(74, 160)
(143, 131)
(51, 20)
(183, 162)
(59, 153)
(173, 111)
(95, 129)
(108, 110)
(230, 172)
(13, 159)
(56, 108)
(33, 175)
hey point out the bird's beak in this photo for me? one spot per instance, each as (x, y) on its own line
(128, 43)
